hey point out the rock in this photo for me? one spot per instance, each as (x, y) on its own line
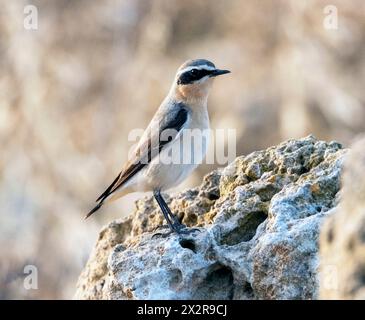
(342, 240)
(259, 222)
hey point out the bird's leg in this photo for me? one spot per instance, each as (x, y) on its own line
(180, 228)
(161, 202)
(171, 215)
(176, 226)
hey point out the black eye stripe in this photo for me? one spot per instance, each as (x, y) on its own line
(193, 75)
(198, 74)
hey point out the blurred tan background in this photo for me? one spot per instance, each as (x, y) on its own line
(94, 70)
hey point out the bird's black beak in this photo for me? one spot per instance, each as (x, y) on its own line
(218, 72)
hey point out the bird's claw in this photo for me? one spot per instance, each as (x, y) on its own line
(178, 228)
(182, 229)
(163, 234)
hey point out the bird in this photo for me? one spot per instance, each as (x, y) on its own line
(183, 110)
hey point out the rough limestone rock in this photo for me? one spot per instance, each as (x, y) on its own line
(259, 222)
(343, 236)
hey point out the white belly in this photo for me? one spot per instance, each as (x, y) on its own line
(176, 162)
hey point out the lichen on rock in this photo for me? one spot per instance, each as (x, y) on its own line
(259, 221)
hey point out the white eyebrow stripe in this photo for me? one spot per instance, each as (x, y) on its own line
(202, 67)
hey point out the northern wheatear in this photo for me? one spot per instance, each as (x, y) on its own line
(184, 109)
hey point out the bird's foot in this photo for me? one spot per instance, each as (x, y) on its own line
(176, 227)
(183, 229)
(162, 231)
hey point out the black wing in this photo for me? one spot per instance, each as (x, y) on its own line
(146, 153)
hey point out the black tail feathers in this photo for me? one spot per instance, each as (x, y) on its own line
(97, 207)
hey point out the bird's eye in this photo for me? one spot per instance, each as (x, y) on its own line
(193, 71)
